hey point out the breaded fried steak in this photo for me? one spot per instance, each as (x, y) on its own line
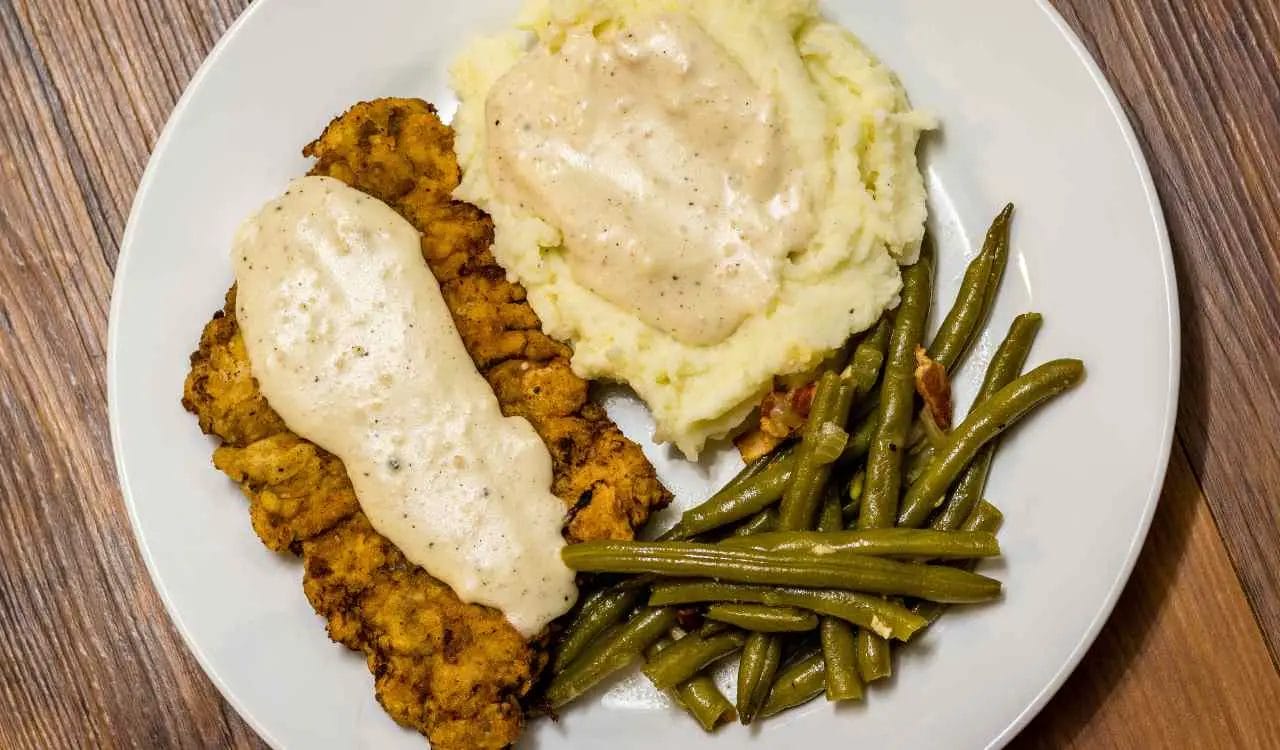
(456, 672)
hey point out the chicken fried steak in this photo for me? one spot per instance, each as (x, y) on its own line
(456, 672)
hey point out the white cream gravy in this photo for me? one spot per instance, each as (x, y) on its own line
(351, 342)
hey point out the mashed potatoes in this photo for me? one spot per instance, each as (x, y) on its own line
(697, 194)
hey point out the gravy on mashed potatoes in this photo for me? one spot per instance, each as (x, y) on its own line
(697, 194)
(690, 247)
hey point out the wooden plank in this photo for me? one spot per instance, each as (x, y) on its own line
(88, 658)
(87, 655)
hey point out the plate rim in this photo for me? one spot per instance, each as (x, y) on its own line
(1172, 386)
(1106, 606)
(113, 333)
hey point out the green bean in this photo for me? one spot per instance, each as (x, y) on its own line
(830, 519)
(919, 461)
(897, 398)
(868, 358)
(829, 412)
(799, 682)
(1003, 409)
(930, 611)
(608, 655)
(850, 509)
(658, 646)
(759, 660)
(1005, 365)
(859, 380)
(897, 402)
(960, 323)
(826, 389)
(597, 614)
(587, 605)
(859, 441)
(998, 265)
(848, 571)
(731, 505)
(735, 485)
(871, 652)
(887, 618)
(765, 520)
(754, 618)
(699, 695)
(872, 655)
(762, 651)
(899, 542)
(752, 468)
(823, 430)
(747, 472)
(968, 490)
(866, 408)
(689, 656)
(758, 618)
(741, 491)
(710, 628)
(986, 518)
(756, 669)
(977, 293)
(856, 484)
(839, 652)
(701, 698)
(837, 636)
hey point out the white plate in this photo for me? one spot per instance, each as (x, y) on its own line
(1027, 117)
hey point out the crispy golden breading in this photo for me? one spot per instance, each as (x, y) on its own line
(454, 671)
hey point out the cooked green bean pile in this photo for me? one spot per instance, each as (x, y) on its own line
(819, 559)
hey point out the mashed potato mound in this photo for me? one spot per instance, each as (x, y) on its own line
(847, 118)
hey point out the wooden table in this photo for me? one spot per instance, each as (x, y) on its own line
(88, 657)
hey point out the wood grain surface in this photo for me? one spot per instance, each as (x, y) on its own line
(88, 657)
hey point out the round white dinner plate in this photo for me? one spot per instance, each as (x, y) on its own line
(1026, 117)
